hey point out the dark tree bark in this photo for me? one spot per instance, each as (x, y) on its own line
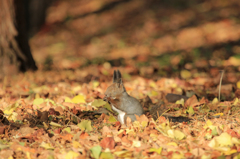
(19, 19)
(22, 38)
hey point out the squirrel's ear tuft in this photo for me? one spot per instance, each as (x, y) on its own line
(115, 76)
(119, 77)
(119, 74)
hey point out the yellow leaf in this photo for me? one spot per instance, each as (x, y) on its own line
(37, 96)
(224, 139)
(170, 133)
(68, 100)
(215, 101)
(159, 150)
(236, 101)
(154, 137)
(47, 146)
(71, 155)
(154, 93)
(206, 157)
(28, 155)
(218, 114)
(230, 152)
(209, 123)
(238, 84)
(78, 99)
(172, 144)
(55, 124)
(38, 101)
(235, 141)
(76, 144)
(123, 154)
(129, 130)
(13, 116)
(177, 156)
(95, 84)
(185, 74)
(152, 84)
(179, 135)
(181, 101)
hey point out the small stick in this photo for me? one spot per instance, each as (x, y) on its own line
(220, 85)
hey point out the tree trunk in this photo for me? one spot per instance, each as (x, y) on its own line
(15, 53)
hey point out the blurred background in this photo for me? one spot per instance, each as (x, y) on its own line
(153, 37)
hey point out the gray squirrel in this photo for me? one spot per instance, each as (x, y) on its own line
(128, 106)
(120, 101)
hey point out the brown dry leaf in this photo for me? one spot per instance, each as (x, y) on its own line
(67, 137)
(107, 142)
(192, 101)
(84, 135)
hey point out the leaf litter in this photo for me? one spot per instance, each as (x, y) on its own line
(60, 113)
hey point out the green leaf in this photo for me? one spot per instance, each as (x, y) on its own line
(22, 143)
(190, 110)
(85, 125)
(38, 101)
(214, 131)
(68, 129)
(112, 119)
(106, 155)
(98, 102)
(96, 151)
(108, 107)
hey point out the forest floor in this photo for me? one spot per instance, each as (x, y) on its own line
(162, 48)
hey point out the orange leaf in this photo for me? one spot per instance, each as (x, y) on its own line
(84, 135)
(67, 137)
(108, 142)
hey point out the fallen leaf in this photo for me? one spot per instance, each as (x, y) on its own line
(98, 102)
(107, 142)
(96, 151)
(79, 99)
(85, 125)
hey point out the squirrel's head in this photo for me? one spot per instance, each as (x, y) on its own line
(117, 88)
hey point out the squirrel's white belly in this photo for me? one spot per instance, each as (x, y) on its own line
(121, 114)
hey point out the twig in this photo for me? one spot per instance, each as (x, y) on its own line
(220, 85)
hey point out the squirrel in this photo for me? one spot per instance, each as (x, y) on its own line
(120, 101)
(128, 106)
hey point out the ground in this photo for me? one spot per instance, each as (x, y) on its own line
(163, 49)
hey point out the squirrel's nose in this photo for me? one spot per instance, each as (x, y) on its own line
(105, 98)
